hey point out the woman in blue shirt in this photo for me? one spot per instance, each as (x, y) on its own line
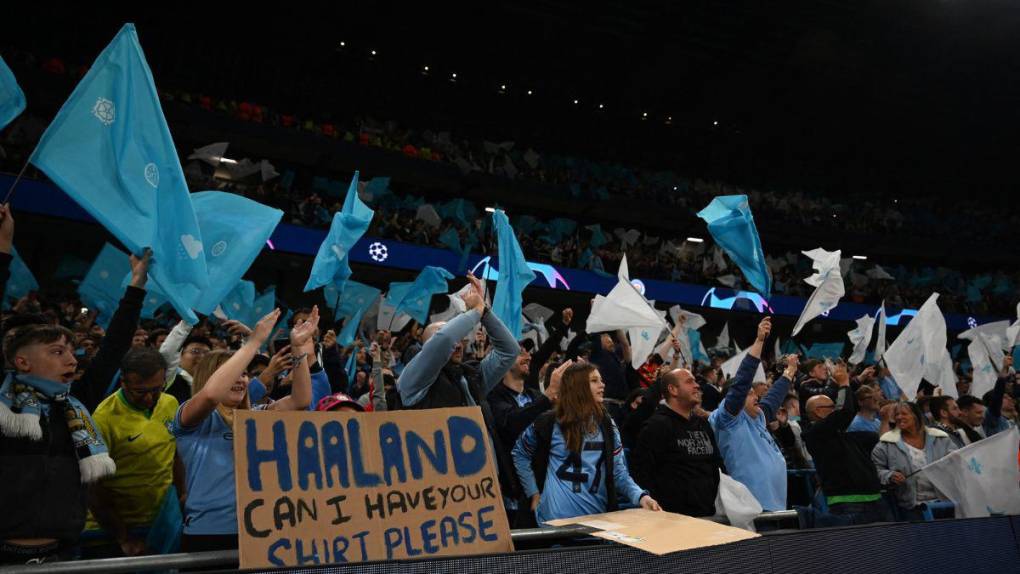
(562, 457)
(204, 430)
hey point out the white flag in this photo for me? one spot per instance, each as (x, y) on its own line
(211, 154)
(921, 341)
(690, 321)
(625, 308)
(723, 341)
(828, 283)
(939, 371)
(428, 214)
(994, 336)
(981, 478)
(778, 351)
(878, 273)
(386, 319)
(1013, 332)
(861, 338)
(983, 371)
(880, 342)
(729, 368)
(538, 313)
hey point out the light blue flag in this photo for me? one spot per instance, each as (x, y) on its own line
(240, 302)
(153, 302)
(352, 369)
(264, 303)
(696, 347)
(514, 276)
(109, 148)
(598, 239)
(21, 281)
(70, 267)
(349, 224)
(235, 230)
(377, 188)
(824, 351)
(103, 285)
(451, 240)
(732, 226)
(413, 297)
(12, 99)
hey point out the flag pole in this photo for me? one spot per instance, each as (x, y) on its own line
(21, 173)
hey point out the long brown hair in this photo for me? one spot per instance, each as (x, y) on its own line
(206, 366)
(577, 411)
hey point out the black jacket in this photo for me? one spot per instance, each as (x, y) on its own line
(843, 467)
(510, 420)
(711, 397)
(42, 494)
(678, 461)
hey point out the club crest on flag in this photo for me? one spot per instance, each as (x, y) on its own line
(218, 248)
(152, 175)
(105, 111)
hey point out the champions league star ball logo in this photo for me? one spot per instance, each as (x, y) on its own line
(378, 252)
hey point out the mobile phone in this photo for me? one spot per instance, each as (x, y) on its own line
(280, 343)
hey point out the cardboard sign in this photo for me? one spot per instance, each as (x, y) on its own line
(658, 532)
(326, 488)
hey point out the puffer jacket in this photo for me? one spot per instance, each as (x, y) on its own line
(891, 455)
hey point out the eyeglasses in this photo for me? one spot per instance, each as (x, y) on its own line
(197, 351)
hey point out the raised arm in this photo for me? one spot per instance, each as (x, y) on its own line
(741, 384)
(217, 389)
(301, 341)
(421, 372)
(773, 399)
(171, 349)
(504, 351)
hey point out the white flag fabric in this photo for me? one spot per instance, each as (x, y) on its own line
(428, 215)
(717, 257)
(268, 170)
(729, 368)
(880, 342)
(1013, 331)
(723, 341)
(625, 308)
(828, 283)
(921, 341)
(861, 338)
(729, 280)
(983, 372)
(995, 334)
(981, 478)
(538, 313)
(691, 321)
(386, 319)
(778, 351)
(456, 308)
(211, 154)
(940, 372)
(878, 273)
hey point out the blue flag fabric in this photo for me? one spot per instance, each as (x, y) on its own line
(349, 224)
(413, 297)
(825, 351)
(264, 303)
(103, 285)
(451, 240)
(352, 369)
(695, 338)
(70, 267)
(598, 238)
(514, 276)
(240, 302)
(235, 230)
(21, 281)
(109, 148)
(12, 99)
(356, 300)
(732, 226)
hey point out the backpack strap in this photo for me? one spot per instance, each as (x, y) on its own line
(543, 425)
(608, 449)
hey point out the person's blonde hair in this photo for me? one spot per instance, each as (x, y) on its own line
(205, 368)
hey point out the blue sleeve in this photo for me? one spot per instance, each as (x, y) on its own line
(504, 351)
(774, 398)
(524, 450)
(625, 485)
(737, 394)
(320, 388)
(256, 390)
(421, 372)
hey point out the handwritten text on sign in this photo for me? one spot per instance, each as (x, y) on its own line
(321, 488)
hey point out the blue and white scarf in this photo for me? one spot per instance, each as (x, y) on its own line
(24, 398)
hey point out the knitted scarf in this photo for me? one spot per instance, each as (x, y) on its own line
(24, 399)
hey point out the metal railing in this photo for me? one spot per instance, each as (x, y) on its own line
(228, 558)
